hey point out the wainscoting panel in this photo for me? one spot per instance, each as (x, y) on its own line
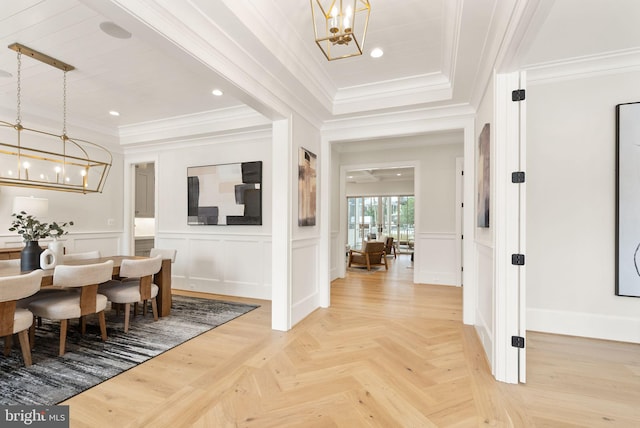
(234, 265)
(336, 258)
(484, 310)
(435, 259)
(304, 294)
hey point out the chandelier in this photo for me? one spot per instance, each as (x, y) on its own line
(340, 26)
(44, 160)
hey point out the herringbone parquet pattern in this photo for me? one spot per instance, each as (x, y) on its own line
(387, 353)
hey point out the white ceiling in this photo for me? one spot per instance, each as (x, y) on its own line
(437, 53)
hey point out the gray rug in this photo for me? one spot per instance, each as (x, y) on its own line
(88, 361)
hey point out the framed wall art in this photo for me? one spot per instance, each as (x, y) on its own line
(226, 194)
(484, 176)
(628, 199)
(306, 188)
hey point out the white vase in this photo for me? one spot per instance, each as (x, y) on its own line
(57, 247)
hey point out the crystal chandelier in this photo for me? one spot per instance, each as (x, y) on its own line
(340, 26)
(43, 160)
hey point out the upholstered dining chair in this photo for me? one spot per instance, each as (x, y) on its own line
(128, 291)
(14, 320)
(166, 253)
(86, 255)
(66, 306)
(371, 254)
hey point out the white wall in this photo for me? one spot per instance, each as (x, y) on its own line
(230, 260)
(571, 208)
(484, 237)
(305, 251)
(382, 188)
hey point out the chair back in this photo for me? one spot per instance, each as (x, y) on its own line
(20, 286)
(137, 268)
(388, 244)
(81, 275)
(143, 269)
(166, 253)
(81, 256)
(375, 250)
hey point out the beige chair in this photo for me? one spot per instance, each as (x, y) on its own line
(130, 291)
(87, 255)
(165, 253)
(66, 306)
(371, 254)
(15, 320)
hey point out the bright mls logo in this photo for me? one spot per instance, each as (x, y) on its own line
(35, 416)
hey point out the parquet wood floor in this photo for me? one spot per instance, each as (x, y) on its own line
(387, 353)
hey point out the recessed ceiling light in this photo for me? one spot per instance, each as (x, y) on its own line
(350, 176)
(5, 74)
(376, 53)
(114, 113)
(398, 174)
(114, 30)
(217, 92)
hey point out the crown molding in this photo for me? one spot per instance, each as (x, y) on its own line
(583, 67)
(203, 124)
(261, 134)
(393, 93)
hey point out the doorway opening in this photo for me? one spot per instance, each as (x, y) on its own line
(144, 208)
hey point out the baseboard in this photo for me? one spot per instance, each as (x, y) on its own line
(583, 324)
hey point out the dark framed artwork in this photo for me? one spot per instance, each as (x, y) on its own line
(226, 194)
(628, 199)
(306, 188)
(484, 177)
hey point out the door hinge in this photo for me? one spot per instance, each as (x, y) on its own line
(517, 177)
(517, 259)
(518, 95)
(517, 341)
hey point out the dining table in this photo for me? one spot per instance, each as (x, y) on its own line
(162, 279)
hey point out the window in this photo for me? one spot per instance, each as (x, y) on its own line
(380, 216)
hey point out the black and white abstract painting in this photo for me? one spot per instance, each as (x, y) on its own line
(226, 194)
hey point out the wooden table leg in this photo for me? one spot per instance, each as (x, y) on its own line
(163, 280)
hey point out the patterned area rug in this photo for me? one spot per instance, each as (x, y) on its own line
(88, 361)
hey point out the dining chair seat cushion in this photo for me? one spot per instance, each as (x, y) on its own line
(124, 291)
(63, 306)
(22, 320)
(24, 303)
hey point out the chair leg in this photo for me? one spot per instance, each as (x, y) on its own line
(127, 309)
(368, 264)
(63, 335)
(83, 325)
(8, 342)
(23, 336)
(103, 325)
(154, 308)
(386, 266)
(32, 333)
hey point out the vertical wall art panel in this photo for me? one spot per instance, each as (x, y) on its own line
(306, 188)
(484, 175)
(228, 194)
(628, 200)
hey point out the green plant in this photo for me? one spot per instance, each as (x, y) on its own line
(29, 227)
(57, 230)
(32, 229)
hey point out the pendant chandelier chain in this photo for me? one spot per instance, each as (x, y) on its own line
(19, 119)
(64, 104)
